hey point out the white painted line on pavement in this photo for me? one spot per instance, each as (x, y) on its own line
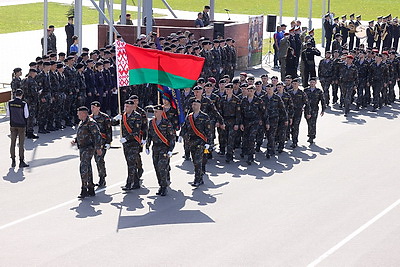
(66, 203)
(354, 234)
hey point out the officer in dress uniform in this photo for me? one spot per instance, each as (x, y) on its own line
(162, 137)
(88, 140)
(370, 34)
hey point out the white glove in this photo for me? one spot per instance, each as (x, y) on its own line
(207, 146)
(169, 153)
(147, 151)
(118, 117)
(122, 140)
(107, 146)
(143, 142)
(180, 139)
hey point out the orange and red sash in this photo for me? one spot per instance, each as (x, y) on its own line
(195, 130)
(129, 129)
(103, 135)
(158, 132)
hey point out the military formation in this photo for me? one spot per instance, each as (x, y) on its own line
(223, 113)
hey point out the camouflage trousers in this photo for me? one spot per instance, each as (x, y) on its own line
(59, 110)
(161, 164)
(294, 128)
(271, 135)
(348, 89)
(326, 83)
(249, 137)
(362, 93)
(131, 152)
(312, 124)
(281, 134)
(227, 138)
(197, 153)
(101, 164)
(32, 107)
(85, 167)
(44, 111)
(391, 94)
(378, 89)
(260, 135)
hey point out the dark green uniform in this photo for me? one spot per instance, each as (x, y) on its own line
(315, 96)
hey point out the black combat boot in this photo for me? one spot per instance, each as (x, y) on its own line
(84, 193)
(159, 191)
(102, 182)
(91, 191)
(140, 172)
(163, 192)
(13, 164)
(22, 164)
(127, 187)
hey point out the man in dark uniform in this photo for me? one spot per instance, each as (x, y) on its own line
(69, 31)
(132, 143)
(253, 116)
(370, 34)
(325, 74)
(18, 111)
(104, 123)
(357, 23)
(30, 88)
(348, 81)
(315, 96)
(275, 110)
(362, 90)
(328, 27)
(284, 122)
(70, 77)
(162, 135)
(54, 89)
(300, 103)
(352, 31)
(196, 130)
(88, 140)
(308, 56)
(337, 62)
(344, 30)
(378, 78)
(60, 96)
(378, 32)
(231, 112)
(43, 80)
(206, 17)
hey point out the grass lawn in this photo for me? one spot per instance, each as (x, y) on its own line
(370, 9)
(30, 16)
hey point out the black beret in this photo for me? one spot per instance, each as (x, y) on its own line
(244, 85)
(258, 83)
(106, 61)
(229, 85)
(196, 101)
(32, 70)
(84, 54)
(73, 53)
(288, 76)
(79, 66)
(17, 70)
(236, 80)
(70, 57)
(250, 78)
(60, 65)
(129, 102)
(52, 62)
(32, 64)
(61, 54)
(45, 57)
(96, 104)
(99, 64)
(83, 108)
(270, 85)
(196, 88)
(85, 49)
(296, 80)
(46, 63)
(102, 49)
(53, 55)
(19, 92)
(222, 81)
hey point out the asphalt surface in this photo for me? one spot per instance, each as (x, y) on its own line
(286, 211)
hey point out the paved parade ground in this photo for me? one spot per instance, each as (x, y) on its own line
(328, 203)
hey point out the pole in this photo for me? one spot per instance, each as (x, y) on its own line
(329, 6)
(101, 7)
(170, 9)
(123, 12)
(148, 14)
(101, 13)
(139, 19)
(296, 9)
(323, 19)
(111, 15)
(78, 23)
(45, 27)
(280, 11)
(310, 16)
(212, 10)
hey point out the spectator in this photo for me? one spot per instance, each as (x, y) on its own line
(74, 47)
(69, 31)
(128, 19)
(53, 39)
(206, 17)
(199, 21)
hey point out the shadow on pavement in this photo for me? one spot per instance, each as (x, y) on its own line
(14, 176)
(163, 211)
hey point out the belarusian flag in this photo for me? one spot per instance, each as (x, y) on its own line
(139, 65)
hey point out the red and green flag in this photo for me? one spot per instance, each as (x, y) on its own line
(139, 65)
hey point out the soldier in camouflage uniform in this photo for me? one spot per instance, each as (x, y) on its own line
(208, 63)
(314, 96)
(362, 90)
(325, 74)
(88, 139)
(300, 103)
(60, 96)
(392, 63)
(378, 78)
(281, 133)
(348, 81)
(80, 85)
(16, 82)
(30, 88)
(162, 135)
(216, 60)
(260, 93)
(70, 77)
(336, 61)
(253, 116)
(55, 87)
(276, 112)
(104, 123)
(231, 112)
(171, 114)
(43, 80)
(132, 143)
(197, 130)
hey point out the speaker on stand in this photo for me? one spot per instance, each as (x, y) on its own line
(219, 29)
(271, 27)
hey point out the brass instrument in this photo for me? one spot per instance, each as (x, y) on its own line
(361, 32)
(376, 36)
(352, 27)
(384, 33)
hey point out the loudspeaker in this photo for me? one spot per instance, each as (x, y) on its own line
(271, 23)
(219, 29)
